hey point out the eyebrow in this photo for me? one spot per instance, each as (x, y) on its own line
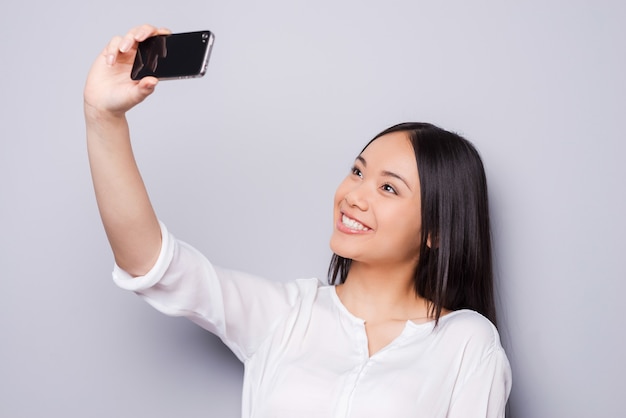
(385, 172)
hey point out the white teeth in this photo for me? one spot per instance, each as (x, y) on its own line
(352, 224)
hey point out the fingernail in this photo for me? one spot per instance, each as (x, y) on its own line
(110, 58)
(125, 45)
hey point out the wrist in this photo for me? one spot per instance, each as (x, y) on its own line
(97, 115)
(106, 127)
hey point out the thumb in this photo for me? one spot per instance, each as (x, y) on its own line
(145, 87)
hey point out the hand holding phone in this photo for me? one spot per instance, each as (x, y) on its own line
(109, 88)
(173, 56)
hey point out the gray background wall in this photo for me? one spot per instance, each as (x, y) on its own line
(243, 164)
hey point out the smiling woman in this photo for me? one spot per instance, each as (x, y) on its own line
(443, 190)
(406, 327)
(377, 207)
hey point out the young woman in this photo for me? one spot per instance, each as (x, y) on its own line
(406, 328)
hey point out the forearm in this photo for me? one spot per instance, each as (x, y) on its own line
(129, 220)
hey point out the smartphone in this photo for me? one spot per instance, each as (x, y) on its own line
(174, 56)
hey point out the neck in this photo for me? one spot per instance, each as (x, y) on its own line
(383, 293)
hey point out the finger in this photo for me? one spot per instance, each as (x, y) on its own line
(111, 50)
(148, 83)
(139, 34)
(145, 87)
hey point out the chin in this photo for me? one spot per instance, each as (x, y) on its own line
(339, 248)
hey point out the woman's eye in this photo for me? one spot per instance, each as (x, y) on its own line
(357, 172)
(389, 188)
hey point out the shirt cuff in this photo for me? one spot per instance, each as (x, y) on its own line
(152, 277)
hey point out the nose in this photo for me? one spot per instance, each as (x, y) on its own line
(356, 198)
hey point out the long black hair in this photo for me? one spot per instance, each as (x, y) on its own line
(454, 270)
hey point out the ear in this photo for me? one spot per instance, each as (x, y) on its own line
(430, 240)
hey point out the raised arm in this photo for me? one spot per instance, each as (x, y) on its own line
(129, 220)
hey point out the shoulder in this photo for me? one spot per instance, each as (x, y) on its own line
(305, 288)
(481, 368)
(470, 331)
(469, 344)
(259, 284)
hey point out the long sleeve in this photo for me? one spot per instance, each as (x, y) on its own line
(239, 308)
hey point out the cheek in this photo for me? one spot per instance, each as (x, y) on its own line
(415, 237)
(411, 228)
(336, 202)
(340, 193)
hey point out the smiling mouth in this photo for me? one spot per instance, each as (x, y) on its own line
(352, 224)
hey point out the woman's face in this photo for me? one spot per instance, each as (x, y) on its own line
(377, 215)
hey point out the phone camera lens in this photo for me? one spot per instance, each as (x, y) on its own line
(205, 36)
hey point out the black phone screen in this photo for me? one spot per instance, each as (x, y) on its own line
(179, 55)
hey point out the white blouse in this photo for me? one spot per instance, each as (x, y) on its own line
(306, 355)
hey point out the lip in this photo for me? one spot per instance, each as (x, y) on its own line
(341, 227)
